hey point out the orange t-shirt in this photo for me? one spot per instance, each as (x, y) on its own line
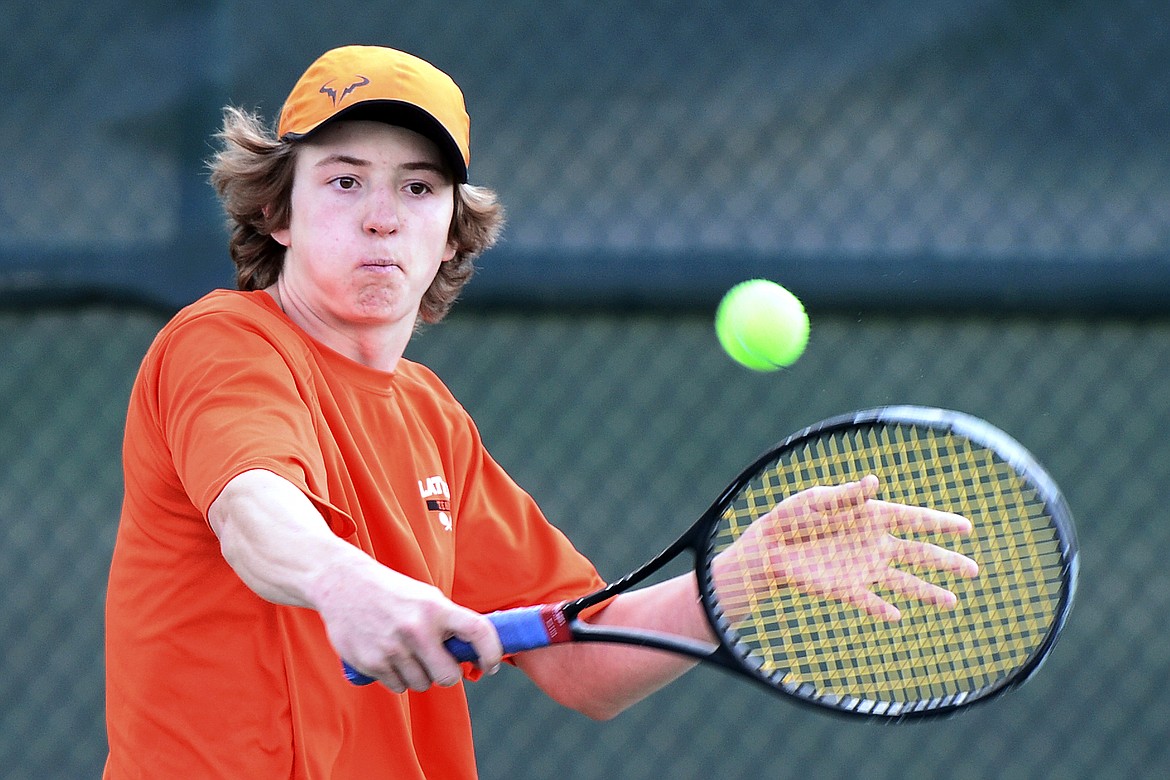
(206, 679)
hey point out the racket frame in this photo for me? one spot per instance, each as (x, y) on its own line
(950, 422)
(698, 539)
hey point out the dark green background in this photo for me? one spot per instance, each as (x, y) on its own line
(624, 426)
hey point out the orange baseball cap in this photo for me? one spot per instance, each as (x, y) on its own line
(387, 85)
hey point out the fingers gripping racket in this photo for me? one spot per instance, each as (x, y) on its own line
(822, 652)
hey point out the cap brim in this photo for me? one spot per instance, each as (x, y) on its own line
(399, 114)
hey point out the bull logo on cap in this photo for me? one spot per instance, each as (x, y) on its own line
(332, 93)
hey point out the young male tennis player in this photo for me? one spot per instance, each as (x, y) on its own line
(296, 492)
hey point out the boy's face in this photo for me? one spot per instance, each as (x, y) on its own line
(369, 226)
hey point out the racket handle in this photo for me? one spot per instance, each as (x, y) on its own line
(519, 630)
(524, 628)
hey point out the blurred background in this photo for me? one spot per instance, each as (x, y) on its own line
(972, 198)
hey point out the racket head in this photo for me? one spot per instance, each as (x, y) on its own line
(931, 662)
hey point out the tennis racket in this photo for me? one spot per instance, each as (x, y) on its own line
(822, 652)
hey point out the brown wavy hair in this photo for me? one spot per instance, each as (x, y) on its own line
(253, 175)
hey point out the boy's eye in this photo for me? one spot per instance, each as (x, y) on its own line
(346, 182)
(418, 188)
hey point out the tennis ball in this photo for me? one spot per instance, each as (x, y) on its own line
(761, 325)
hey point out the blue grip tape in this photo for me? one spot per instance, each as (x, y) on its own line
(354, 676)
(519, 629)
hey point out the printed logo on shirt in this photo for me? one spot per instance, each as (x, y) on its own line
(435, 492)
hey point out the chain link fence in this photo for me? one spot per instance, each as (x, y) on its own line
(896, 151)
(624, 427)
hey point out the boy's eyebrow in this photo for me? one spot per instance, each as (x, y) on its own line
(358, 162)
(342, 159)
(423, 165)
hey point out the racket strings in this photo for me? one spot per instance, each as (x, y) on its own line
(810, 642)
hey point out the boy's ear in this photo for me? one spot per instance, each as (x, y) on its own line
(280, 236)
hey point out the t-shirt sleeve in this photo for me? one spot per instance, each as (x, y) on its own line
(508, 554)
(230, 399)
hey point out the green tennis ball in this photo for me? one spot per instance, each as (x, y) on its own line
(761, 325)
